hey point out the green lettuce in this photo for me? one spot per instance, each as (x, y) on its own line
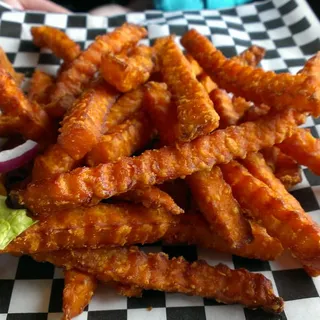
(12, 223)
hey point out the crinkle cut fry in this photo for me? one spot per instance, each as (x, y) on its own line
(86, 186)
(52, 162)
(57, 41)
(41, 84)
(6, 65)
(36, 124)
(293, 227)
(195, 112)
(304, 148)
(124, 140)
(128, 72)
(158, 272)
(79, 288)
(194, 229)
(82, 69)
(124, 108)
(277, 90)
(102, 225)
(284, 167)
(215, 200)
(152, 197)
(81, 128)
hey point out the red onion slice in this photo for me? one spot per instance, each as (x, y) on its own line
(18, 156)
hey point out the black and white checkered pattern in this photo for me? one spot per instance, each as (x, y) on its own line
(290, 33)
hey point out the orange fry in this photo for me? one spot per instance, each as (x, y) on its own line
(81, 70)
(9, 125)
(124, 140)
(128, 290)
(57, 41)
(195, 67)
(81, 128)
(284, 167)
(89, 185)
(251, 56)
(127, 73)
(224, 107)
(53, 161)
(102, 225)
(152, 197)
(215, 200)
(41, 84)
(195, 113)
(312, 67)
(207, 82)
(6, 65)
(255, 112)
(240, 106)
(124, 108)
(277, 90)
(290, 224)
(193, 229)
(78, 290)
(36, 124)
(303, 148)
(157, 272)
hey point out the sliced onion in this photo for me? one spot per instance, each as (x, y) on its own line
(18, 156)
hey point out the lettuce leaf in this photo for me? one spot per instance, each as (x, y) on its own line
(12, 223)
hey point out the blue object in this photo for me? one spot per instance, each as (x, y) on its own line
(172, 5)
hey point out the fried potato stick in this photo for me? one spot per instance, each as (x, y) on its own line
(128, 72)
(240, 106)
(53, 161)
(81, 70)
(6, 65)
(215, 200)
(57, 41)
(255, 112)
(35, 122)
(207, 82)
(81, 128)
(251, 56)
(195, 67)
(156, 271)
(304, 148)
(41, 84)
(284, 167)
(291, 225)
(86, 186)
(9, 125)
(194, 229)
(124, 140)
(195, 112)
(102, 225)
(312, 67)
(277, 90)
(78, 291)
(124, 108)
(128, 290)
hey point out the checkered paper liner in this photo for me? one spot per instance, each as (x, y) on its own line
(290, 32)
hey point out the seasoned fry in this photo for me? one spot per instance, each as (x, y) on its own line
(207, 82)
(193, 229)
(255, 112)
(41, 84)
(284, 167)
(124, 108)
(102, 225)
(240, 106)
(195, 113)
(152, 197)
(57, 41)
(128, 290)
(124, 140)
(81, 128)
(291, 225)
(54, 160)
(304, 148)
(251, 56)
(88, 185)
(195, 67)
(214, 198)
(9, 125)
(127, 73)
(225, 109)
(277, 90)
(312, 67)
(158, 272)
(162, 111)
(36, 124)
(82, 69)
(78, 290)
(7, 66)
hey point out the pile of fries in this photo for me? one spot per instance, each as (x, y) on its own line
(127, 131)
